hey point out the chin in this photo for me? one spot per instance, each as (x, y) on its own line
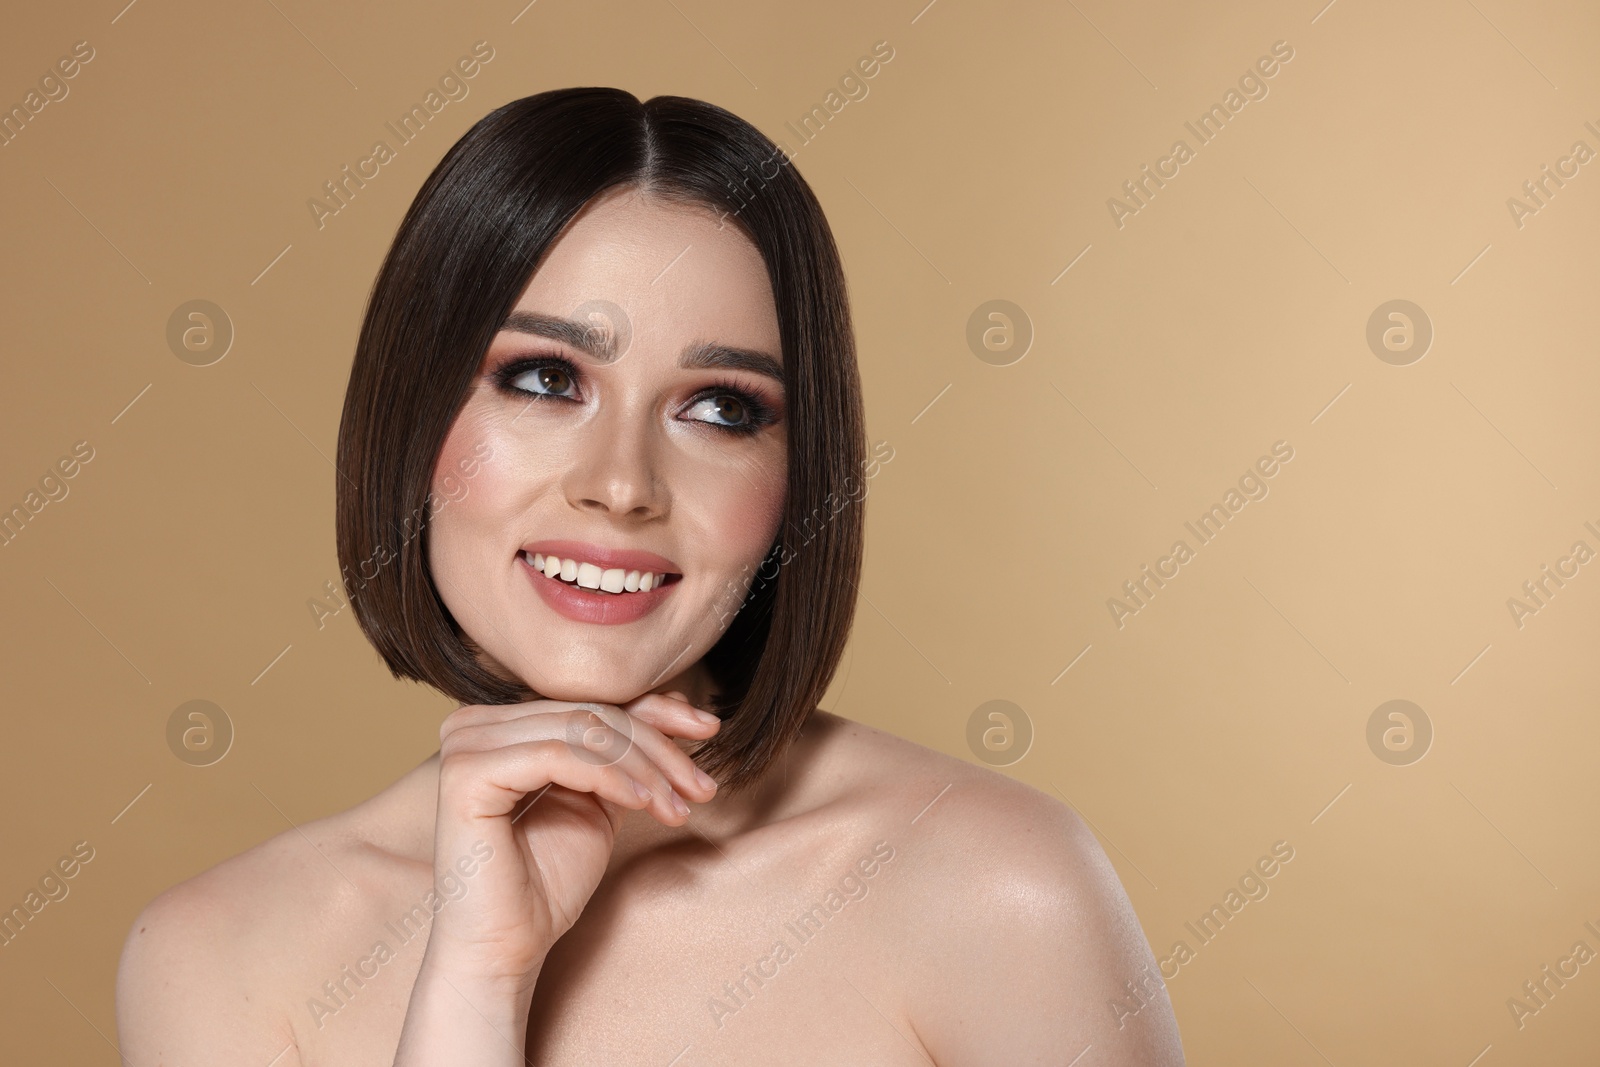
(597, 686)
(597, 693)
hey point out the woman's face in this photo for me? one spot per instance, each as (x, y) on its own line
(662, 454)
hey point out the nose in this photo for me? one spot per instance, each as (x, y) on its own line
(617, 470)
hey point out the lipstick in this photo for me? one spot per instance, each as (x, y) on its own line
(581, 604)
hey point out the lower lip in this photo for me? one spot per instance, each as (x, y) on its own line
(589, 605)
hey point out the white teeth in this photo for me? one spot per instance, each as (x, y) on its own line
(592, 576)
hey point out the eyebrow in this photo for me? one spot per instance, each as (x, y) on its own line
(600, 345)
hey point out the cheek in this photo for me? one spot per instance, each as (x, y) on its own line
(743, 518)
(483, 479)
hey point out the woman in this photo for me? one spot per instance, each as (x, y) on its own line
(601, 466)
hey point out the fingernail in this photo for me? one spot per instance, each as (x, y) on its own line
(705, 780)
(638, 787)
(677, 802)
(706, 717)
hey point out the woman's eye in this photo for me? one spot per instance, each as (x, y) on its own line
(728, 411)
(543, 381)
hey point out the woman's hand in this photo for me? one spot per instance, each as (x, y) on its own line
(545, 785)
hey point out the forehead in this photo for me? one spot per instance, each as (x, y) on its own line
(670, 267)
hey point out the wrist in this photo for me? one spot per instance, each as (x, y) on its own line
(508, 989)
(456, 1016)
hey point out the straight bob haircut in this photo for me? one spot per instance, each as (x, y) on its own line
(467, 247)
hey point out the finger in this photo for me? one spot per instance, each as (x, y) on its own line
(493, 782)
(601, 735)
(672, 714)
(614, 735)
(667, 718)
(676, 765)
(475, 715)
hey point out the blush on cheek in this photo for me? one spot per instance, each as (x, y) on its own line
(467, 462)
(448, 487)
(753, 525)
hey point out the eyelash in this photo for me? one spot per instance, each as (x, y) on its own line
(757, 412)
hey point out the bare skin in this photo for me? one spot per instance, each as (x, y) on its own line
(514, 899)
(997, 933)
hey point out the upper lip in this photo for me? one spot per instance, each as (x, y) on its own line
(628, 559)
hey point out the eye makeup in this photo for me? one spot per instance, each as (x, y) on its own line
(757, 412)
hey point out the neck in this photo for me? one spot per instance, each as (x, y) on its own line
(412, 801)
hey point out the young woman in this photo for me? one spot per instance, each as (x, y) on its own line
(601, 470)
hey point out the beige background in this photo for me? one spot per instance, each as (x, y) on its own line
(1230, 313)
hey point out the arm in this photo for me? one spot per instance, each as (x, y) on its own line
(180, 996)
(449, 1021)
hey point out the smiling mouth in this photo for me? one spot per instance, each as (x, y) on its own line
(581, 574)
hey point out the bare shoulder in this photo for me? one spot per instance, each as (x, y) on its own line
(210, 967)
(1016, 937)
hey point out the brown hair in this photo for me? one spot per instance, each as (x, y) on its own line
(468, 244)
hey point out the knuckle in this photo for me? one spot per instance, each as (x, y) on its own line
(545, 751)
(455, 769)
(460, 740)
(458, 718)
